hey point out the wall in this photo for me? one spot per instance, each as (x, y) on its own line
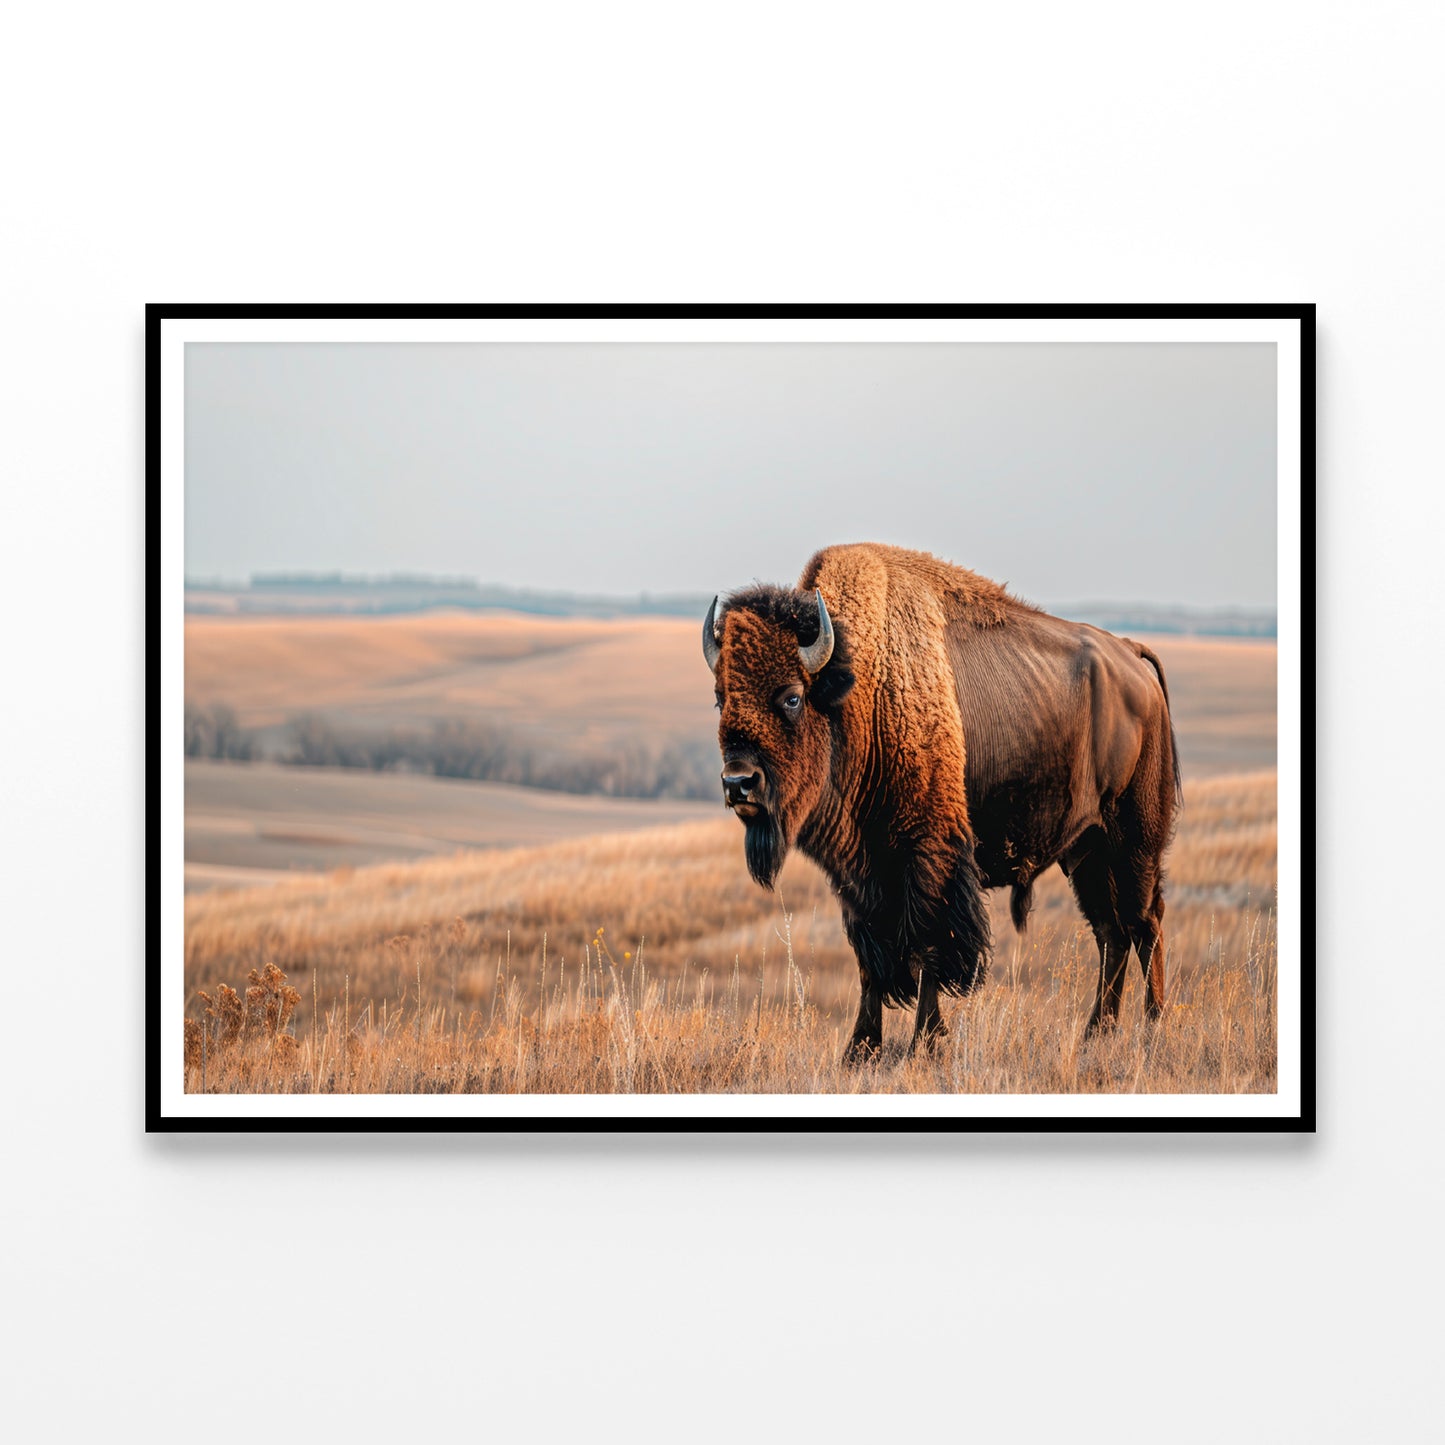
(1122, 1289)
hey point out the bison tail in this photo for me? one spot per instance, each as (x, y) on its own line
(961, 960)
(1147, 653)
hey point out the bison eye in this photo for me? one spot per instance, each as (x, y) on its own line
(791, 703)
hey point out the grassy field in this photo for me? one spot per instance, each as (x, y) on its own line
(625, 947)
(649, 961)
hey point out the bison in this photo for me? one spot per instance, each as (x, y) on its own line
(923, 735)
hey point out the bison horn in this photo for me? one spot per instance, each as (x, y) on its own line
(711, 637)
(816, 654)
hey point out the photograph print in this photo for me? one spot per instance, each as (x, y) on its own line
(731, 718)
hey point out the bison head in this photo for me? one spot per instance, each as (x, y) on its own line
(781, 671)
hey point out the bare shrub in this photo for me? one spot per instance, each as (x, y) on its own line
(213, 732)
(488, 752)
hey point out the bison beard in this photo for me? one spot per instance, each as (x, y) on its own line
(765, 845)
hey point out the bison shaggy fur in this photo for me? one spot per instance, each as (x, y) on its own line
(923, 736)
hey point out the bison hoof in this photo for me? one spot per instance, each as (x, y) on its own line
(862, 1051)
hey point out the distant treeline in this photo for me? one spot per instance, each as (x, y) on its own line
(354, 581)
(349, 593)
(478, 750)
(1179, 621)
(353, 594)
(213, 732)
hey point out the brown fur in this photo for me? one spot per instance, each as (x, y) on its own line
(958, 740)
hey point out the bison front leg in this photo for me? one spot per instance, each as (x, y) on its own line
(867, 1040)
(952, 955)
(928, 1025)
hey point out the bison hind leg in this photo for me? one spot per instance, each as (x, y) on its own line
(1094, 886)
(1143, 917)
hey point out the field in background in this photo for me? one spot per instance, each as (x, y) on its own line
(574, 686)
(258, 822)
(583, 680)
(592, 682)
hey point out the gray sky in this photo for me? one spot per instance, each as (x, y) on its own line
(1142, 473)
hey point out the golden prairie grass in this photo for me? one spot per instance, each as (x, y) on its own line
(650, 962)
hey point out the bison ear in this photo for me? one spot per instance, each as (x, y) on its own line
(832, 685)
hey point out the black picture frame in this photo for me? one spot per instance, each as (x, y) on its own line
(159, 1119)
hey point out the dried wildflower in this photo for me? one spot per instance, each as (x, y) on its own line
(229, 1022)
(270, 1000)
(227, 1015)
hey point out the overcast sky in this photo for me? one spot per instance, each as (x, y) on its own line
(1138, 473)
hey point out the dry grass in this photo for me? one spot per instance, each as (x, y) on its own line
(650, 962)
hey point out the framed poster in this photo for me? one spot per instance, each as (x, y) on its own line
(698, 718)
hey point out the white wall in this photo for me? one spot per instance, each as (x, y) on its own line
(313, 1288)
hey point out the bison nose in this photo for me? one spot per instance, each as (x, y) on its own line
(738, 787)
